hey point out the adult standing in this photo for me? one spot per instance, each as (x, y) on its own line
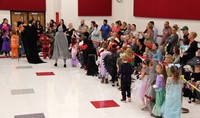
(62, 24)
(4, 27)
(166, 33)
(60, 46)
(69, 33)
(105, 30)
(29, 39)
(155, 31)
(172, 41)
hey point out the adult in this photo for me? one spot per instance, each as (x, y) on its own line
(166, 33)
(123, 28)
(96, 36)
(40, 30)
(39, 27)
(4, 27)
(29, 39)
(196, 60)
(62, 24)
(157, 55)
(172, 41)
(185, 31)
(91, 55)
(116, 28)
(60, 47)
(93, 24)
(148, 35)
(69, 33)
(155, 31)
(190, 53)
(51, 23)
(105, 30)
(82, 29)
(134, 31)
(176, 55)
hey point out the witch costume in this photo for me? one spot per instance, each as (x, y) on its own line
(29, 39)
(91, 54)
(60, 47)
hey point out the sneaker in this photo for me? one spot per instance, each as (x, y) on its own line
(194, 100)
(55, 65)
(123, 100)
(65, 65)
(113, 85)
(129, 99)
(189, 101)
(106, 81)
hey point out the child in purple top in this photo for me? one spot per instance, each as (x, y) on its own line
(160, 90)
(6, 43)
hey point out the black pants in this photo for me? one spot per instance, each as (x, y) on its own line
(114, 78)
(126, 88)
(192, 95)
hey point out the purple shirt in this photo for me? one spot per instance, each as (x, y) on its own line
(160, 82)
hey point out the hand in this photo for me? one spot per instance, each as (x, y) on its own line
(192, 79)
(155, 86)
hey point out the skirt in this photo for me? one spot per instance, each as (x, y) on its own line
(160, 98)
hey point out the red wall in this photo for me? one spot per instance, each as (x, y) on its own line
(94, 7)
(174, 9)
(23, 5)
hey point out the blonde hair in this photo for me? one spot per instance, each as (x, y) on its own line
(129, 52)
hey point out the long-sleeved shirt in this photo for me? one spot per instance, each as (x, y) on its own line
(126, 71)
(160, 84)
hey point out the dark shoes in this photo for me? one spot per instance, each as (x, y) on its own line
(55, 65)
(65, 66)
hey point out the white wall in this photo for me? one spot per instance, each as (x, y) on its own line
(194, 25)
(52, 6)
(122, 11)
(69, 12)
(4, 14)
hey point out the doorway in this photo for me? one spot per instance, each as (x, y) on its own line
(18, 17)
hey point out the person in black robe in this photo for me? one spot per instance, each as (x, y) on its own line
(91, 54)
(29, 39)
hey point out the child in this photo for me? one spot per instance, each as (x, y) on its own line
(74, 52)
(6, 43)
(148, 51)
(168, 60)
(14, 44)
(143, 83)
(126, 71)
(103, 71)
(160, 90)
(45, 41)
(150, 95)
(195, 77)
(184, 47)
(172, 105)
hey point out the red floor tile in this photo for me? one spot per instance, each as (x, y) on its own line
(44, 73)
(104, 104)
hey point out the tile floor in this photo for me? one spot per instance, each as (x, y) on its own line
(67, 94)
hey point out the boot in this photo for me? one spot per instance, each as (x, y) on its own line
(102, 81)
(106, 80)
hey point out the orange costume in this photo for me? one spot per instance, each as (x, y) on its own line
(45, 41)
(14, 44)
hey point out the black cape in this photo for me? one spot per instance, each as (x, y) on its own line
(29, 39)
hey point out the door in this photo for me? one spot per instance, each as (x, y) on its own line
(37, 16)
(17, 17)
